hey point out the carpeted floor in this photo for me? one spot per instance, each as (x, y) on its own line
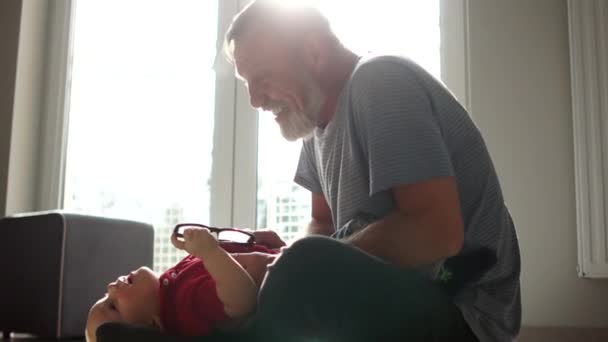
(528, 334)
(563, 334)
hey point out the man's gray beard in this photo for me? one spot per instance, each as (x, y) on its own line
(300, 125)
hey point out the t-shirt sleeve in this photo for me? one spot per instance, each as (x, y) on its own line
(306, 173)
(399, 133)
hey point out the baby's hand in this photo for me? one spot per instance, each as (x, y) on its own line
(197, 241)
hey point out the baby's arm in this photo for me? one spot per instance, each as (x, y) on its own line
(235, 288)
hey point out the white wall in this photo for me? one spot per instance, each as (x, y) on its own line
(520, 99)
(10, 14)
(23, 162)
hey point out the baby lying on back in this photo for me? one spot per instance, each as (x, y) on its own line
(207, 289)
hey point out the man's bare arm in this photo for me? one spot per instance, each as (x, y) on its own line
(426, 226)
(321, 223)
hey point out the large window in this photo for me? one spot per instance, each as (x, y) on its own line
(159, 130)
(141, 110)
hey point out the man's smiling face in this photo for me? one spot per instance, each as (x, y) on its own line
(278, 81)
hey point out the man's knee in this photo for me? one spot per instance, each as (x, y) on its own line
(296, 261)
(306, 254)
(296, 269)
(312, 246)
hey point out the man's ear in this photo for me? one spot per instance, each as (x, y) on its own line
(316, 52)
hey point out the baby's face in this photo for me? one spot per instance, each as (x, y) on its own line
(132, 298)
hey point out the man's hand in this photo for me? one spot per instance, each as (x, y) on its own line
(197, 241)
(268, 238)
(255, 264)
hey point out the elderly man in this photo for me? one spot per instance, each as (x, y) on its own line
(399, 173)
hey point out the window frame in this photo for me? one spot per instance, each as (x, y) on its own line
(234, 138)
(589, 88)
(54, 129)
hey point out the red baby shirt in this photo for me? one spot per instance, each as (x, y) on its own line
(189, 305)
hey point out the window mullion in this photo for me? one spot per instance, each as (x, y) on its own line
(245, 162)
(244, 200)
(222, 174)
(54, 129)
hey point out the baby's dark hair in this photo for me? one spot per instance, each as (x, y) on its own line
(98, 322)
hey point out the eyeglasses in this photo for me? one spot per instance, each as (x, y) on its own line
(231, 235)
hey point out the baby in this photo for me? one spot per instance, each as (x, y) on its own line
(207, 289)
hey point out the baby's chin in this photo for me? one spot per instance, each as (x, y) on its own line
(91, 329)
(96, 317)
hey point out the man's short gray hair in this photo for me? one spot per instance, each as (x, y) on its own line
(282, 16)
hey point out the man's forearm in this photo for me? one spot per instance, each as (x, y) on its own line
(407, 242)
(316, 227)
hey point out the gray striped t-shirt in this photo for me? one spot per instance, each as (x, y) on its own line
(396, 124)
